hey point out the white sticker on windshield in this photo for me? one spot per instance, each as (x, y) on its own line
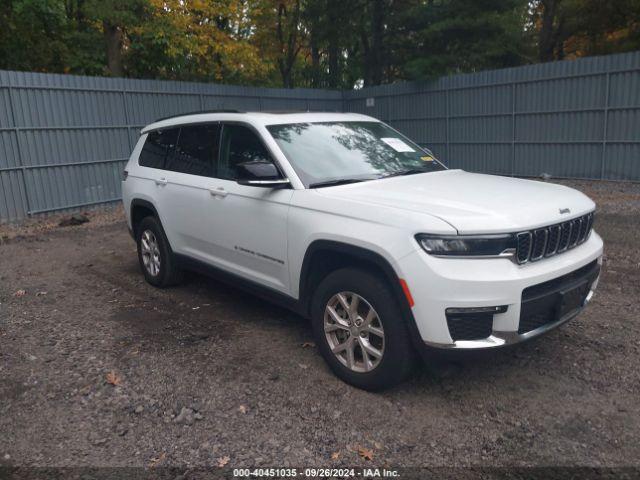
(397, 144)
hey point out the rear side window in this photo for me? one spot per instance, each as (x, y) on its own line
(239, 144)
(197, 150)
(159, 143)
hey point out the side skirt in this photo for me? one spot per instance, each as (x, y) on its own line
(266, 293)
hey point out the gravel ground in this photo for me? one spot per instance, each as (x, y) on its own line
(97, 368)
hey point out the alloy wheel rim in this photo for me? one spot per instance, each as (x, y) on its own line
(150, 252)
(354, 332)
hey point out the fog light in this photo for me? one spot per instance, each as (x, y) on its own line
(475, 310)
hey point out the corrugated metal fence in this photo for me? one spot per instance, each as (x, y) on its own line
(64, 139)
(576, 119)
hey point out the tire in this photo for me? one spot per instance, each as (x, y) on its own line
(154, 254)
(397, 355)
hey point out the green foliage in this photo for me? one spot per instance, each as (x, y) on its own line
(317, 43)
(455, 36)
(33, 35)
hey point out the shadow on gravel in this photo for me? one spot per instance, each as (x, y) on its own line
(203, 313)
(200, 308)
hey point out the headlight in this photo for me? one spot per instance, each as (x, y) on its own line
(503, 245)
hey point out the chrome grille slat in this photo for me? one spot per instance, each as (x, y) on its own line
(540, 237)
(590, 226)
(575, 232)
(565, 235)
(524, 247)
(553, 241)
(543, 242)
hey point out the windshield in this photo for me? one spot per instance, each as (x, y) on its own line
(339, 152)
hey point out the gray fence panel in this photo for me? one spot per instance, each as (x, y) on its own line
(13, 201)
(577, 119)
(64, 139)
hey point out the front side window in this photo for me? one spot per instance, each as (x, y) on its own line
(196, 152)
(240, 144)
(158, 145)
(326, 152)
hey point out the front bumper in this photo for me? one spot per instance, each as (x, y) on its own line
(437, 284)
(502, 339)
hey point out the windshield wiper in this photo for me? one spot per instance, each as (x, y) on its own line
(408, 171)
(332, 183)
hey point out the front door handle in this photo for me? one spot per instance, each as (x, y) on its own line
(218, 192)
(161, 181)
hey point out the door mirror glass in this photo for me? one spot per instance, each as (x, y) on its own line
(260, 174)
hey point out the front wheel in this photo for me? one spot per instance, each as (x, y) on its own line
(360, 331)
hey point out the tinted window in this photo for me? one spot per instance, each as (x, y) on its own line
(239, 144)
(158, 144)
(197, 150)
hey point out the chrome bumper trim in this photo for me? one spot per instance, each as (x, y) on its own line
(501, 339)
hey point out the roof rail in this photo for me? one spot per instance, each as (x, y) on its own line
(198, 113)
(285, 111)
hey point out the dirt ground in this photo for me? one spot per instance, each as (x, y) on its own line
(97, 368)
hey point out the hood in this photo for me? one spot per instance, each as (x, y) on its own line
(472, 202)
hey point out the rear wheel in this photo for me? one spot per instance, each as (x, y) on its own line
(360, 330)
(154, 254)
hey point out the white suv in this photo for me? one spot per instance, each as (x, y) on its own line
(349, 223)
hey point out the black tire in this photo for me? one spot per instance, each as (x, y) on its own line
(398, 357)
(168, 274)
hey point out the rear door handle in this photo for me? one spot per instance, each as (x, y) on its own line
(218, 192)
(161, 181)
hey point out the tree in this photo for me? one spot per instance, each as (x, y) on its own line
(32, 35)
(576, 28)
(330, 27)
(280, 36)
(207, 40)
(454, 36)
(319, 43)
(115, 18)
(551, 30)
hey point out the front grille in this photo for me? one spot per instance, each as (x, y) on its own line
(545, 242)
(470, 326)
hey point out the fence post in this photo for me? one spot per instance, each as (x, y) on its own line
(126, 115)
(446, 128)
(605, 124)
(513, 128)
(16, 129)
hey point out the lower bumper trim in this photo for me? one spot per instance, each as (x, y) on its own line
(502, 339)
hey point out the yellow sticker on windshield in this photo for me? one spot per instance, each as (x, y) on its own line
(427, 158)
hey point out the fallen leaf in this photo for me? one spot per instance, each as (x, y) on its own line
(242, 409)
(365, 453)
(20, 293)
(335, 455)
(377, 445)
(308, 345)
(222, 461)
(40, 294)
(113, 379)
(155, 461)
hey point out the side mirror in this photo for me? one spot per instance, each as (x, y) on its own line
(260, 174)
